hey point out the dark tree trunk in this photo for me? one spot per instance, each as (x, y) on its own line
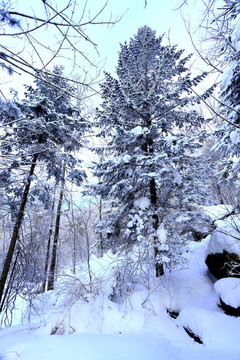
(51, 275)
(74, 225)
(153, 192)
(74, 251)
(153, 198)
(15, 234)
(9, 284)
(101, 235)
(158, 266)
(48, 249)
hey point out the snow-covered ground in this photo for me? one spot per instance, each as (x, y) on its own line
(68, 324)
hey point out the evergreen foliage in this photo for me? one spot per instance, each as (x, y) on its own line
(229, 132)
(7, 19)
(46, 123)
(148, 122)
(44, 128)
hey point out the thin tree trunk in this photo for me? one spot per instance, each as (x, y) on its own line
(74, 251)
(48, 249)
(20, 215)
(153, 197)
(74, 237)
(9, 284)
(101, 235)
(51, 274)
(88, 256)
(153, 192)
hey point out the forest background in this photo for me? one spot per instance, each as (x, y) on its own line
(67, 167)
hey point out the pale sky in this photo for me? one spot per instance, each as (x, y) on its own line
(158, 14)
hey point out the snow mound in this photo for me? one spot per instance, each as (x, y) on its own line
(228, 289)
(220, 242)
(225, 237)
(68, 323)
(213, 327)
(186, 288)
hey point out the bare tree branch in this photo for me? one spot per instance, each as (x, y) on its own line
(66, 27)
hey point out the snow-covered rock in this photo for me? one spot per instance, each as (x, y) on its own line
(223, 251)
(228, 290)
(210, 327)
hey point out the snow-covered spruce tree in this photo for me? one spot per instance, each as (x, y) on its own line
(141, 116)
(43, 128)
(229, 133)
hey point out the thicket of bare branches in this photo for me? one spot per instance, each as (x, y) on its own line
(50, 32)
(212, 43)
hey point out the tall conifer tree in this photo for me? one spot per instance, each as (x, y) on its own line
(141, 176)
(45, 128)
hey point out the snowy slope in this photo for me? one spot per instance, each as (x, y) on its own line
(96, 328)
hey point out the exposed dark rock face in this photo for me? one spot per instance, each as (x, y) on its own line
(198, 235)
(194, 336)
(224, 264)
(229, 310)
(172, 313)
